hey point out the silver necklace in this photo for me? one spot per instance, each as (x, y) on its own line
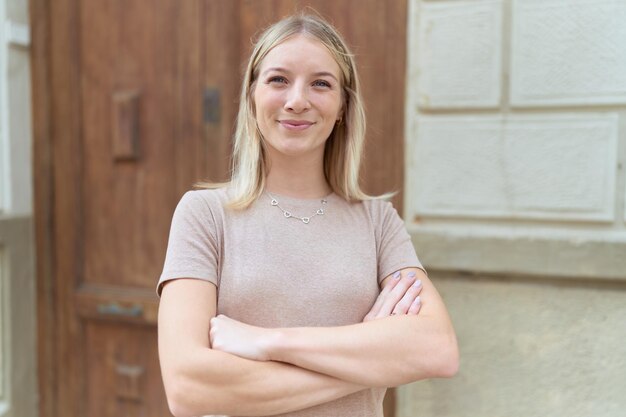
(288, 214)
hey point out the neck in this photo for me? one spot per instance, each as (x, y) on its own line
(300, 178)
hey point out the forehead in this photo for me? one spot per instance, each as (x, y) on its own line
(301, 53)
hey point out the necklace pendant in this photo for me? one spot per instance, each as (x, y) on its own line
(287, 214)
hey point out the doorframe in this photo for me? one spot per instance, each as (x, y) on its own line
(56, 133)
(42, 214)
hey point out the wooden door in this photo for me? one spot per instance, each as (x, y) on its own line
(134, 101)
(119, 138)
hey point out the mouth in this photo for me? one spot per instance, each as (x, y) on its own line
(295, 124)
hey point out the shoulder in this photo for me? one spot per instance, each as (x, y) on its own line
(379, 209)
(204, 199)
(203, 206)
(385, 219)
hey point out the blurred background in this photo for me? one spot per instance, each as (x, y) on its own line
(501, 122)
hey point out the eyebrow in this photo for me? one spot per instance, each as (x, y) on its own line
(317, 74)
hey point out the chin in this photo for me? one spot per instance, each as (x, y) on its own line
(296, 149)
(295, 152)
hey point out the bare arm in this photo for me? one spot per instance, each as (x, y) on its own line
(199, 380)
(385, 352)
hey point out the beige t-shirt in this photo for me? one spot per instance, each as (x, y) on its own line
(273, 271)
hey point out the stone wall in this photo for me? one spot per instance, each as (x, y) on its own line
(515, 189)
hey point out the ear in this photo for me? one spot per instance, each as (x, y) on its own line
(344, 103)
(340, 115)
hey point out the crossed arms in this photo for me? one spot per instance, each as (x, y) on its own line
(216, 365)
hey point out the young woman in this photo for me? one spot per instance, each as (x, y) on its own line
(288, 290)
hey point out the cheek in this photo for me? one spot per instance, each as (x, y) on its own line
(267, 102)
(333, 104)
(335, 110)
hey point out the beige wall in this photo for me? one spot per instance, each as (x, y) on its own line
(516, 134)
(18, 396)
(18, 360)
(530, 347)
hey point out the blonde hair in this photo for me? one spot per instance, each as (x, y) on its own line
(344, 147)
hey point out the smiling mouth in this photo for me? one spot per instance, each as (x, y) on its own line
(295, 124)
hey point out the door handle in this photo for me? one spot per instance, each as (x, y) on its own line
(211, 104)
(125, 125)
(114, 309)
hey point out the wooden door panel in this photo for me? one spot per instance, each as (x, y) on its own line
(141, 132)
(222, 74)
(122, 370)
(128, 78)
(116, 304)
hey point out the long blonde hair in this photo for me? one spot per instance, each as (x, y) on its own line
(344, 147)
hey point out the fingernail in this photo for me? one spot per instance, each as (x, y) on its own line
(417, 283)
(418, 300)
(411, 274)
(397, 275)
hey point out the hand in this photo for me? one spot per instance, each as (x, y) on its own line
(246, 341)
(399, 296)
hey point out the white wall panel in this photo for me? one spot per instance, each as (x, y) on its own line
(568, 52)
(15, 120)
(517, 211)
(541, 166)
(4, 168)
(459, 59)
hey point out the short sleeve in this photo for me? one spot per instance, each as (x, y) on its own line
(394, 246)
(192, 249)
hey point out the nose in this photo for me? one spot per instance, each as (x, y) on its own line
(297, 99)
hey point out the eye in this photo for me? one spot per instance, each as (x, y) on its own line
(277, 79)
(321, 83)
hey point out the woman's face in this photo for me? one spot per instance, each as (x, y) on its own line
(298, 97)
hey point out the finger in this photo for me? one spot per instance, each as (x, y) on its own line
(213, 326)
(396, 294)
(415, 306)
(212, 331)
(393, 280)
(402, 307)
(391, 283)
